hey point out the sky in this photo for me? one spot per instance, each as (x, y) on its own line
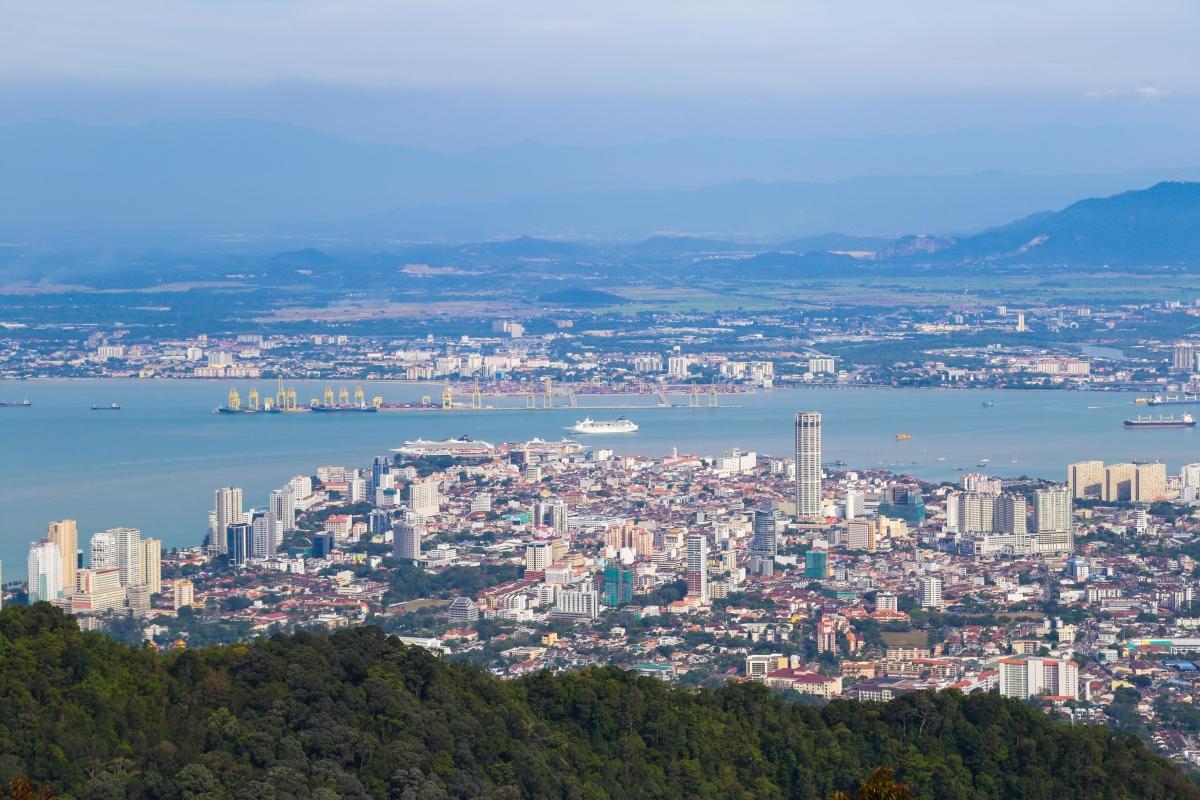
(452, 75)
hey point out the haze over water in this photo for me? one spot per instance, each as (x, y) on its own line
(154, 464)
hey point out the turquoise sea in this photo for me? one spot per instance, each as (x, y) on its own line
(155, 463)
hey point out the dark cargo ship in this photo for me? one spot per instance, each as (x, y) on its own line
(1185, 421)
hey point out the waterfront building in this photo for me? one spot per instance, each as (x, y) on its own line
(808, 463)
(45, 571)
(65, 534)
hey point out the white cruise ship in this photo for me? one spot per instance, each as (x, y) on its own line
(464, 447)
(589, 425)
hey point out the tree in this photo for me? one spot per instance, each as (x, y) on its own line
(880, 785)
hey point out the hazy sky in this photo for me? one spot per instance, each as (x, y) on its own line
(461, 74)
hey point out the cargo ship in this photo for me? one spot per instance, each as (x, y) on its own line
(22, 404)
(1174, 400)
(109, 407)
(349, 409)
(1171, 421)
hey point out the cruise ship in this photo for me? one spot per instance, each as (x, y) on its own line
(589, 425)
(1171, 421)
(463, 447)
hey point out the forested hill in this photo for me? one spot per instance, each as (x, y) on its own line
(357, 715)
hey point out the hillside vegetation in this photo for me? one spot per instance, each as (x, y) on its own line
(356, 714)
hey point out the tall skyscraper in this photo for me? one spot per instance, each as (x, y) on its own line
(151, 565)
(406, 541)
(45, 571)
(1183, 357)
(618, 584)
(128, 545)
(765, 544)
(808, 463)
(1052, 509)
(228, 510)
(558, 517)
(65, 534)
(697, 567)
(263, 535)
(282, 504)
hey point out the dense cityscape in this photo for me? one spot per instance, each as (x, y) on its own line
(792, 570)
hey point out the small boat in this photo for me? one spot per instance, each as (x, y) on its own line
(109, 407)
(989, 403)
(903, 437)
(983, 462)
(9, 404)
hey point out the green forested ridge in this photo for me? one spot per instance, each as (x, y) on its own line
(355, 714)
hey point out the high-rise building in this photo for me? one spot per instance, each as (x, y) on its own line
(45, 571)
(1010, 515)
(184, 593)
(886, 601)
(930, 591)
(1183, 357)
(860, 535)
(1052, 509)
(764, 546)
(976, 512)
(558, 516)
(228, 510)
(697, 567)
(102, 552)
(239, 542)
(1119, 482)
(1150, 482)
(423, 497)
(406, 541)
(1086, 479)
(1024, 678)
(151, 565)
(577, 603)
(856, 505)
(99, 590)
(129, 554)
(808, 463)
(538, 556)
(618, 585)
(65, 534)
(816, 565)
(282, 504)
(264, 533)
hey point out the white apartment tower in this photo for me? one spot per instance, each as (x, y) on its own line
(228, 512)
(1052, 509)
(697, 567)
(45, 571)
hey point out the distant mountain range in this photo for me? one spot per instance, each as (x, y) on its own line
(255, 178)
(1159, 225)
